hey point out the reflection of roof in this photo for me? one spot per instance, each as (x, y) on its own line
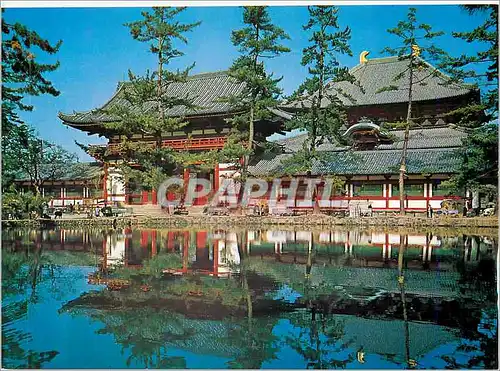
(436, 284)
(207, 337)
(204, 89)
(423, 337)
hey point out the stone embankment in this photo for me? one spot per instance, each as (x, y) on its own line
(264, 221)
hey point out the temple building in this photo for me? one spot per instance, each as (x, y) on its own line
(369, 165)
(207, 130)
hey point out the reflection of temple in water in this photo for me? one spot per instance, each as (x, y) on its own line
(218, 252)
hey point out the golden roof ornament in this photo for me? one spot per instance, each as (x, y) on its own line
(415, 50)
(362, 57)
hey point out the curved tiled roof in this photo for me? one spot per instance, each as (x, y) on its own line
(434, 149)
(431, 137)
(374, 162)
(205, 90)
(378, 73)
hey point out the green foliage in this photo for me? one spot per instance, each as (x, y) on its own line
(480, 68)
(479, 168)
(22, 74)
(259, 39)
(25, 155)
(321, 111)
(21, 205)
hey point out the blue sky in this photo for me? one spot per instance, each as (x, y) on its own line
(97, 50)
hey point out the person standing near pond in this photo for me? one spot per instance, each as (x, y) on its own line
(97, 211)
(429, 211)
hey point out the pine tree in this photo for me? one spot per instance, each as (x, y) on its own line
(35, 159)
(147, 99)
(22, 74)
(479, 167)
(321, 120)
(416, 40)
(480, 69)
(258, 40)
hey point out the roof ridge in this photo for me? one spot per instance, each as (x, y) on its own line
(208, 74)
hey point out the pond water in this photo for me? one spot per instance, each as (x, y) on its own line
(160, 298)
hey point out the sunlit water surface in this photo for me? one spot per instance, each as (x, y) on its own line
(252, 298)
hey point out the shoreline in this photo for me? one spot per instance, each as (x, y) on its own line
(311, 220)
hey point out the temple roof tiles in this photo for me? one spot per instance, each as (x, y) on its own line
(429, 137)
(379, 73)
(372, 162)
(205, 90)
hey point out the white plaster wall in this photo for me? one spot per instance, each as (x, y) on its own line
(378, 238)
(115, 249)
(115, 183)
(378, 203)
(416, 240)
(303, 236)
(276, 236)
(394, 239)
(394, 204)
(339, 236)
(417, 204)
(435, 204)
(324, 237)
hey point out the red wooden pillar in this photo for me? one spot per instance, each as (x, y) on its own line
(144, 197)
(170, 241)
(154, 197)
(153, 243)
(144, 238)
(201, 239)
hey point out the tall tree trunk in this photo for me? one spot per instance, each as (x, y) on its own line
(402, 168)
(243, 267)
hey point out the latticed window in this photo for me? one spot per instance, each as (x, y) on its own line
(410, 189)
(368, 189)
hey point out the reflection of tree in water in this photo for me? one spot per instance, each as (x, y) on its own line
(145, 332)
(319, 342)
(22, 271)
(254, 337)
(478, 295)
(25, 267)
